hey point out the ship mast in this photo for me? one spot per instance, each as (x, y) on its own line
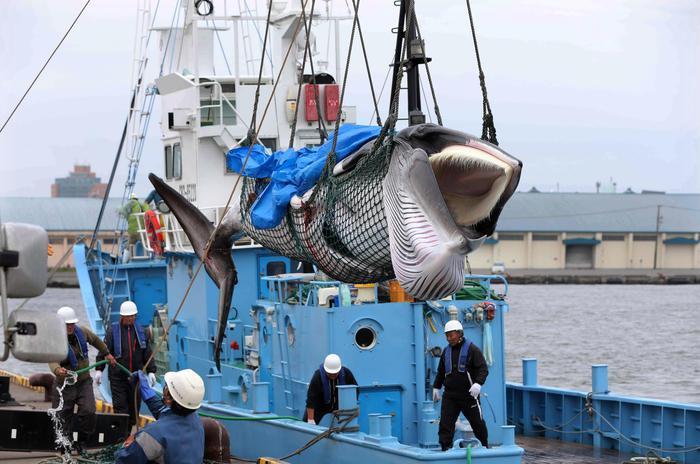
(406, 31)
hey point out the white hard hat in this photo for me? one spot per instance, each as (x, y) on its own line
(186, 387)
(332, 364)
(453, 325)
(128, 308)
(133, 196)
(67, 314)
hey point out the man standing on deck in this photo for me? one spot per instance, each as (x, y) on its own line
(129, 211)
(463, 370)
(322, 395)
(81, 392)
(177, 435)
(129, 343)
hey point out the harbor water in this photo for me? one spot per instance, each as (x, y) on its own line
(647, 334)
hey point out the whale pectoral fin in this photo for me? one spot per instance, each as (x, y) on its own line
(225, 296)
(217, 260)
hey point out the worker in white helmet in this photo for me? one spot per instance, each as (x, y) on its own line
(462, 370)
(177, 436)
(322, 395)
(130, 344)
(80, 393)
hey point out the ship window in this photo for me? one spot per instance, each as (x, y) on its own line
(644, 238)
(365, 338)
(177, 161)
(270, 143)
(168, 162)
(275, 268)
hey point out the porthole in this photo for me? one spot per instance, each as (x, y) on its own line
(365, 338)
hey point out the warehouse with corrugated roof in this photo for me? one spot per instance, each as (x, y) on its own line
(65, 219)
(595, 231)
(535, 230)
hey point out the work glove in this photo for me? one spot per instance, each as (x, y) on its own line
(98, 377)
(436, 395)
(311, 421)
(151, 379)
(475, 390)
(144, 388)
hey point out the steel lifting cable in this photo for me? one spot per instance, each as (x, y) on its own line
(252, 135)
(427, 71)
(330, 160)
(44, 66)
(307, 52)
(262, 64)
(488, 129)
(322, 130)
(364, 54)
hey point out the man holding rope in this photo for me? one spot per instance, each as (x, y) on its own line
(80, 393)
(177, 435)
(129, 342)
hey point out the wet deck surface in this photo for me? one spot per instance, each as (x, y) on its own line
(537, 450)
(542, 451)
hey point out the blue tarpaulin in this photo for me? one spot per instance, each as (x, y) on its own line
(292, 172)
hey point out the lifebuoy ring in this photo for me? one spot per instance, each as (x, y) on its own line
(155, 236)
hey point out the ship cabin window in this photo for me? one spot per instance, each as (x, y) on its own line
(209, 102)
(177, 161)
(275, 268)
(270, 143)
(173, 161)
(168, 162)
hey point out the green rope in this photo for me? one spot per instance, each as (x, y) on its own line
(231, 418)
(97, 364)
(469, 453)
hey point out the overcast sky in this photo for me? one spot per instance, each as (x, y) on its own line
(582, 91)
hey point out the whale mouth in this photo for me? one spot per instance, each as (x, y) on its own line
(473, 180)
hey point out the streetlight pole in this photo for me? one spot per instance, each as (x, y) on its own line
(656, 242)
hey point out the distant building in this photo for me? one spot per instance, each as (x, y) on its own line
(535, 230)
(81, 183)
(65, 220)
(595, 231)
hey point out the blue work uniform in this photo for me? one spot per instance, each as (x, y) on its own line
(171, 439)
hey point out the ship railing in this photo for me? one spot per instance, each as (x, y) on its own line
(218, 104)
(173, 235)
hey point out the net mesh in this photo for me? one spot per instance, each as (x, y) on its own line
(342, 228)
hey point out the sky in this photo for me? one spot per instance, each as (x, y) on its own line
(581, 92)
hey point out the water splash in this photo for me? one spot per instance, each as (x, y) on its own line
(62, 441)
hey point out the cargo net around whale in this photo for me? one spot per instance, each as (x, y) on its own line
(342, 228)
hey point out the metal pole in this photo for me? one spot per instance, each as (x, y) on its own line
(656, 241)
(3, 297)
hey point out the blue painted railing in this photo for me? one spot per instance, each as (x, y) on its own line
(631, 425)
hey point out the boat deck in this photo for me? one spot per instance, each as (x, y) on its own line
(537, 450)
(543, 451)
